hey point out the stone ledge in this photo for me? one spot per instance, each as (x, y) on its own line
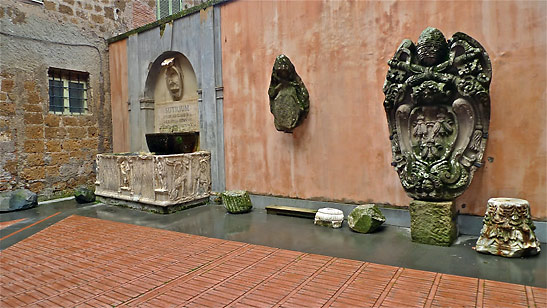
(153, 208)
(467, 224)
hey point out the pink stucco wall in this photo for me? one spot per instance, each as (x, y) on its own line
(340, 50)
(119, 96)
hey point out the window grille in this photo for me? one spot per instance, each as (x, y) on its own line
(68, 91)
(168, 7)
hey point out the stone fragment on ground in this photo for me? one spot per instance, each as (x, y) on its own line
(19, 199)
(83, 194)
(236, 201)
(508, 229)
(365, 218)
(329, 217)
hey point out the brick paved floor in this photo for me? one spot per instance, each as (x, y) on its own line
(88, 262)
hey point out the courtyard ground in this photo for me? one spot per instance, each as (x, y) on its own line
(63, 255)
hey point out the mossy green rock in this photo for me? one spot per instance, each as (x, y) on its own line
(236, 201)
(19, 199)
(433, 223)
(84, 195)
(365, 218)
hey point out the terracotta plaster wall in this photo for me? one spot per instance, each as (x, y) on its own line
(119, 96)
(340, 50)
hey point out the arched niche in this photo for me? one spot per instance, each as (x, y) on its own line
(171, 90)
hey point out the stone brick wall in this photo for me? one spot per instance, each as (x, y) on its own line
(48, 153)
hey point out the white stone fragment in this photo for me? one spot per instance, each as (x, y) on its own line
(329, 217)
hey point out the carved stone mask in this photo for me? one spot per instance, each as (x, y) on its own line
(173, 78)
(289, 99)
(432, 48)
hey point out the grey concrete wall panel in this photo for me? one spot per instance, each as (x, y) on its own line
(221, 183)
(208, 108)
(194, 36)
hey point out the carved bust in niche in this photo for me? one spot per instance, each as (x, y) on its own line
(289, 98)
(438, 109)
(173, 79)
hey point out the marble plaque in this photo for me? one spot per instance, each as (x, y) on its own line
(179, 116)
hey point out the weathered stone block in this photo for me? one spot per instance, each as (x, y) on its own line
(17, 200)
(83, 194)
(33, 118)
(86, 121)
(236, 201)
(71, 145)
(508, 229)
(92, 132)
(33, 146)
(52, 171)
(34, 173)
(11, 166)
(365, 218)
(65, 9)
(34, 98)
(77, 155)
(70, 121)
(59, 158)
(34, 132)
(35, 159)
(36, 187)
(52, 120)
(433, 223)
(97, 18)
(76, 132)
(32, 108)
(53, 146)
(90, 144)
(55, 133)
(7, 109)
(7, 85)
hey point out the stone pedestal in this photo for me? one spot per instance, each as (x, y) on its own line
(237, 201)
(433, 223)
(329, 217)
(508, 229)
(158, 183)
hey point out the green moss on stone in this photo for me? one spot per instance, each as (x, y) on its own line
(366, 218)
(433, 223)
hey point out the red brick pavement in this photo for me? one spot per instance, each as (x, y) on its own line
(87, 262)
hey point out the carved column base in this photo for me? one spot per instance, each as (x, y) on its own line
(508, 230)
(433, 223)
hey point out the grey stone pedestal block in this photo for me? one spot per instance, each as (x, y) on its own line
(433, 223)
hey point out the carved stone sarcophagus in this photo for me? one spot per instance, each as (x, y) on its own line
(438, 110)
(159, 183)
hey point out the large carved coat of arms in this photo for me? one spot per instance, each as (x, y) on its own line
(438, 109)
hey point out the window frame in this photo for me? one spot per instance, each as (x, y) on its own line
(170, 11)
(68, 77)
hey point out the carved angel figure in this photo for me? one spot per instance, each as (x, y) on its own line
(438, 108)
(289, 98)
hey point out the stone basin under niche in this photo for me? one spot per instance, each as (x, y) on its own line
(151, 182)
(172, 143)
